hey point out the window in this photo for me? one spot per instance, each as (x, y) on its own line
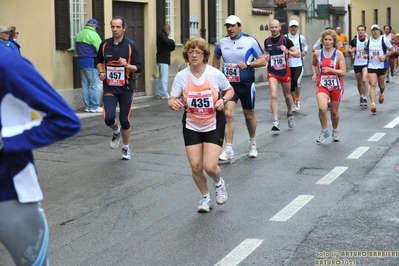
(76, 19)
(376, 16)
(170, 17)
(194, 24)
(69, 20)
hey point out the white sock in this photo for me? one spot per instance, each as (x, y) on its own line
(206, 195)
(218, 184)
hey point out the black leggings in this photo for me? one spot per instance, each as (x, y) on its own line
(110, 102)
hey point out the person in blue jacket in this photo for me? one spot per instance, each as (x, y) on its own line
(5, 39)
(32, 115)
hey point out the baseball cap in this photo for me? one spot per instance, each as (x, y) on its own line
(375, 26)
(293, 23)
(93, 22)
(4, 29)
(232, 20)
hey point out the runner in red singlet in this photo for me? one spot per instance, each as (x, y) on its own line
(328, 70)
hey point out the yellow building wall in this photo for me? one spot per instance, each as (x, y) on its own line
(35, 23)
(368, 6)
(35, 20)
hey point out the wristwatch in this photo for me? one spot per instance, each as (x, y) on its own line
(248, 64)
(224, 101)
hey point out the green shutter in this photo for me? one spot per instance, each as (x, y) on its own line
(62, 25)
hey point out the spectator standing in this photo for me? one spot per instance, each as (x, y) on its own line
(118, 59)
(87, 43)
(35, 116)
(14, 34)
(241, 54)
(164, 47)
(6, 40)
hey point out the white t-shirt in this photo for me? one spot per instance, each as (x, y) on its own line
(303, 46)
(375, 50)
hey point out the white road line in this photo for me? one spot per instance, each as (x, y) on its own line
(376, 137)
(393, 123)
(240, 252)
(291, 208)
(331, 176)
(358, 152)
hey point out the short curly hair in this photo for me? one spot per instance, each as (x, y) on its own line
(201, 44)
(333, 34)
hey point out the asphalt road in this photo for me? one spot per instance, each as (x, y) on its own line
(298, 203)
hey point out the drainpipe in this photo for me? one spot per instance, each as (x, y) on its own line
(350, 21)
(203, 28)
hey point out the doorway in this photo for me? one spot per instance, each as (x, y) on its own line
(134, 15)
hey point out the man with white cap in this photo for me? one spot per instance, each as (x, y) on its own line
(377, 50)
(239, 51)
(5, 39)
(296, 64)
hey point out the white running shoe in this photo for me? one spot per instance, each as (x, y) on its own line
(115, 140)
(221, 194)
(276, 126)
(205, 205)
(253, 151)
(227, 154)
(126, 154)
(298, 105)
(364, 102)
(97, 110)
(335, 135)
(322, 137)
(291, 121)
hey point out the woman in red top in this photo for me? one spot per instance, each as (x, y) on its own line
(328, 70)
